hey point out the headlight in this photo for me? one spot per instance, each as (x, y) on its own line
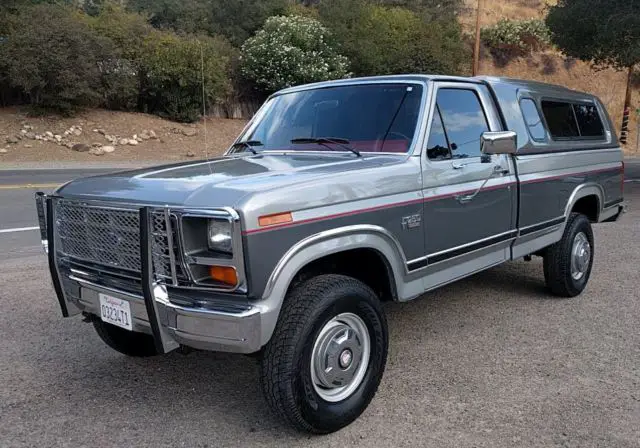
(219, 236)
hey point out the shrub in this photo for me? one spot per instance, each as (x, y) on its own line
(54, 58)
(510, 38)
(289, 51)
(392, 40)
(120, 79)
(173, 74)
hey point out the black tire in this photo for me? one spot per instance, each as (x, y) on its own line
(286, 363)
(557, 259)
(130, 343)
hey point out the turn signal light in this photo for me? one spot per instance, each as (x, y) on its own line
(224, 274)
(272, 220)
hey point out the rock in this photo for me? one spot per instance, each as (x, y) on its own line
(12, 140)
(49, 134)
(77, 132)
(161, 140)
(24, 132)
(81, 147)
(28, 146)
(69, 145)
(58, 137)
(135, 136)
(3, 150)
(190, 154)
(96, 145)
(95, 130)
(108, 149)
(144, 135)
(38, 137)
(30, 135)
(133, 142)
(101, 131)
(189, 132)
(123, 141)
(152, 134)
(96, 151)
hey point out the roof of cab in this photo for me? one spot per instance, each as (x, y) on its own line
(494, 81)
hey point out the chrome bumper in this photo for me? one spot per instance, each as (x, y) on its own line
(236, 329)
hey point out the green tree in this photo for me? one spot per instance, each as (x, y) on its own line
(605, 32)
(291, 50)
(54, 58)
(235, 19)
(391, 40)
(177, 69)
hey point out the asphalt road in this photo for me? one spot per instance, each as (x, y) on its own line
(489, 361)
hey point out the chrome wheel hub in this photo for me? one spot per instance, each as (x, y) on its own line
(340, 357)
(580, 256)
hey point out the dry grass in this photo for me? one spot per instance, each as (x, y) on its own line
(551, 66)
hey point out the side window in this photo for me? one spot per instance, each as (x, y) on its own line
(437, 147)
(588, 119)
(464, 121)
(532, 119)
(560, 119)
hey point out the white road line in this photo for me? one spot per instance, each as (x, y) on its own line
(18, 229)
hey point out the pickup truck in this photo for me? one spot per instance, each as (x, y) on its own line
(336, 197)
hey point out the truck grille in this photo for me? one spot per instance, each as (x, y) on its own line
(110, 237)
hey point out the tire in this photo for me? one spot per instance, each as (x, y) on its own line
(127, 342)
(559, 275)
(290, 387)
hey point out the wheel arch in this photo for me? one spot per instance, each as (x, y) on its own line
(588, 199)
(315, 249)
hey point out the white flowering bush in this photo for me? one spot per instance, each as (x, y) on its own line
(291, 50)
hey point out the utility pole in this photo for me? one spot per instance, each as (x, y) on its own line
(476, 48)
(627, 109)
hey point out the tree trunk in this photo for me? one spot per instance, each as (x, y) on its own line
(476, 48)
(624, 130)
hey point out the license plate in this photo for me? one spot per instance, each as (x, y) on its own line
(115, 311)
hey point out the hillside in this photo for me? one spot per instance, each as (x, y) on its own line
(101, 135)
(551, 66)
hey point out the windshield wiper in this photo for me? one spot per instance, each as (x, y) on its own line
(249, 144)
(326, 141)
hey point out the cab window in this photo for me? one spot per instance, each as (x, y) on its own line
(463, 121)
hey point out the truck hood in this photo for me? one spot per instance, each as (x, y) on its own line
(224, 181)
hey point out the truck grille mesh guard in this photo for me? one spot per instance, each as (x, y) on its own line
(111, 237)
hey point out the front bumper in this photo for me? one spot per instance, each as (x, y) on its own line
(230, 328)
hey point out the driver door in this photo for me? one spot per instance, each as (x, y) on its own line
(469, 198)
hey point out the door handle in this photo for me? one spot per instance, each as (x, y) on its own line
(498, 169)
(465, 198)
(457, 166)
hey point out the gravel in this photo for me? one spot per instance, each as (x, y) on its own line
(490, 361)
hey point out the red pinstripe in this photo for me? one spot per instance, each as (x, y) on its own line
(417, 201)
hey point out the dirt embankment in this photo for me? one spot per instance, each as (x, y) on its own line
(100, 135)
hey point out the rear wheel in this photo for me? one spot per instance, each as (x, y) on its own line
(567, 263)
(325, 360)
(130, 343)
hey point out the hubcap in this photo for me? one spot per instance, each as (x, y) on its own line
(340, 357)
(580, 256)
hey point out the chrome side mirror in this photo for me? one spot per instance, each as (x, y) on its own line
(502, 142)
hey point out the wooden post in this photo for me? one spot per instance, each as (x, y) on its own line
(476, 47)
(624, 131)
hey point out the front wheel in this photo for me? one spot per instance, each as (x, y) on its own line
(567, 263)
(325, 360)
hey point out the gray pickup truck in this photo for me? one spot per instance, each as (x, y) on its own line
(336, 197)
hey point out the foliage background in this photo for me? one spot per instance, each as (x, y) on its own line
(147, 55)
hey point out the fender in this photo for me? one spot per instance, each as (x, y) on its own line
(320, 245)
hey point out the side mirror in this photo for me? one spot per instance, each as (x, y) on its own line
(502, 142)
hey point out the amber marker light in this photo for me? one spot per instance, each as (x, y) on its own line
(272, 220)
(224, 274)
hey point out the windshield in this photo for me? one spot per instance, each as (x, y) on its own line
(367, 117)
